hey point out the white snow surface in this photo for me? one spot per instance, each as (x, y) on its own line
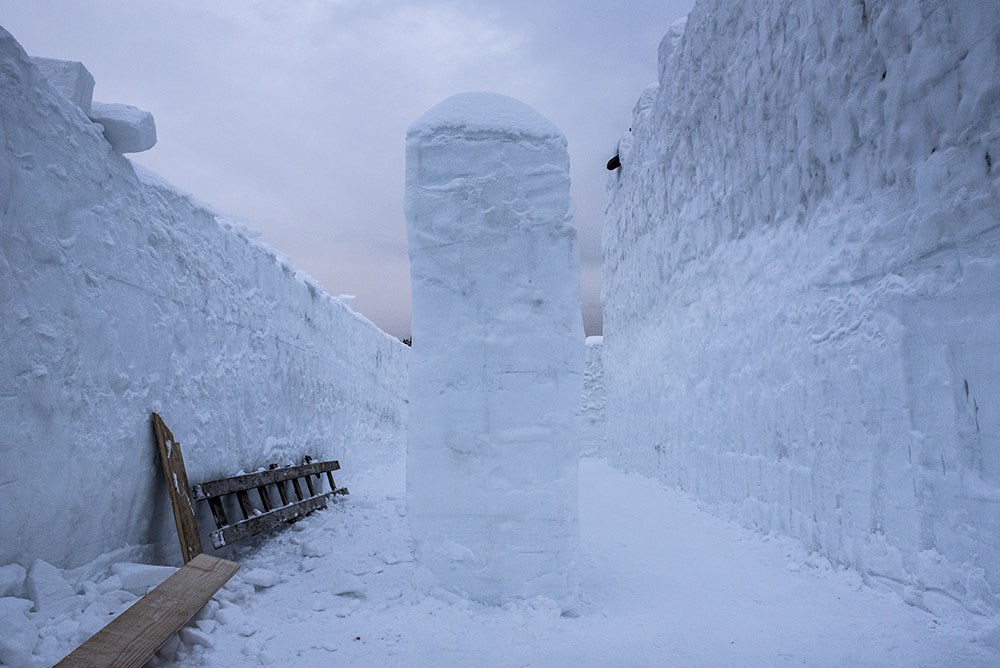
(801, 281)
(120, 296)
(481, 113)
(498, 346)
(662, 583)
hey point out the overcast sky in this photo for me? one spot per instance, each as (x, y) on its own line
(292, 115)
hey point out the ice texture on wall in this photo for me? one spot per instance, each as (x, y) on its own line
(802, 282)
(592, 416)
(119, 295)
(497, 366)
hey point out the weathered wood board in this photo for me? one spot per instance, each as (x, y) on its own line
(178, 488)
(135, 635)
(204, 490)
(266, 521)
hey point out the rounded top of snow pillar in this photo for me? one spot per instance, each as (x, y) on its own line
(490, 114)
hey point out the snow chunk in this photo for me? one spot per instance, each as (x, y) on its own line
(347, 585)
(113, 583)
(140, 578)
(48, 589)
(128, 129)
(262, 578)
(20, 635)
(192, 636)
(484, 113)
(230, 615)
(12, 579)
(313, 548)
(70, 78)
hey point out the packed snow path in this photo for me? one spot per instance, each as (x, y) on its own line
(662, 583)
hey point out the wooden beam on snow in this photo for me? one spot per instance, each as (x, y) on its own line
(135, 635)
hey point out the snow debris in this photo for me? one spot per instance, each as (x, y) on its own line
(113, 583)
(19, 635)
(230, 615)
(140, 578)
(49, 591)
(194, 636)
(312, 549)
(260, 578)
(12, 580)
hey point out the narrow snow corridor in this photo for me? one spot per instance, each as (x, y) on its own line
(662, 584)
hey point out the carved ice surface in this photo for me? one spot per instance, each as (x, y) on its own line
(498, 349)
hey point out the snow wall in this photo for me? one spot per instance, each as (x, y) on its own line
(592, 414)
(119, 296)
(802, 282)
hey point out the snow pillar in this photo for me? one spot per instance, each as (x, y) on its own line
(498, 346)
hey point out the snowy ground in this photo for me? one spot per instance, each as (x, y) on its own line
(662, 584)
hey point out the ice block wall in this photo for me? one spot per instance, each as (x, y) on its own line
(498, 344)
(120, 295)
(802, 282)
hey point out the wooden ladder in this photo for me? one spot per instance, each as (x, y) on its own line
(263, 484)
(136, 634)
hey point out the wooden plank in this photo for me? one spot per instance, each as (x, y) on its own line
(247, 481)
(135, 635)
(265, 521)
(178, 489)
(281, 488)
